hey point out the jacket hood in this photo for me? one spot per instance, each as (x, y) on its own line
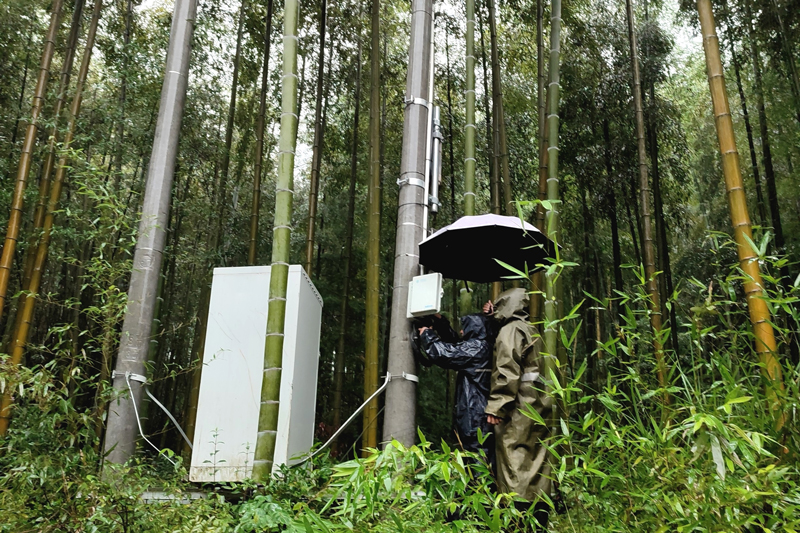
(474, 327)
(511, 302)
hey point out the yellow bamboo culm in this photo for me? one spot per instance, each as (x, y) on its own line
(737, 202)
(648, 249)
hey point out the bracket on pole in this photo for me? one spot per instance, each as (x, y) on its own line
(417, 182)
(409, 100)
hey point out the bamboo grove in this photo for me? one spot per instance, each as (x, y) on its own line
(612, 125)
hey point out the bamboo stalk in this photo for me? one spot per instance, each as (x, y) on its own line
(766, 150)
(260, 127)
(488, 113)
(49, 162)
(122, 98)
(760, 206)
(500, 139)
(316, 159)
(230, 126)
(644, 198)
(28, 144)
(737, 202)
(21, 334)
(372, 304)
(348, 252)
(273, 350)
(552, 222)
(465, 304)
(469, 126)
(537, 280)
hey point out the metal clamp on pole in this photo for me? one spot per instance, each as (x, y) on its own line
(403, 375)
(416, 182)
(130, 376)
(415, 100)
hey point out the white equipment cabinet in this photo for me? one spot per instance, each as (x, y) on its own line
(233, 359)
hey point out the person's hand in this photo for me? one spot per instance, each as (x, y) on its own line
(423, 329)
(488, 308)
(492, 420)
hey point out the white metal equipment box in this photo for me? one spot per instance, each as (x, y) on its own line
(424, 295)
(233, 361)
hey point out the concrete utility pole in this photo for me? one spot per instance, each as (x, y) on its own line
(400, 415)
(122, 429)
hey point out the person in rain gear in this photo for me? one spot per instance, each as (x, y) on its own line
(523, 464)
(472, 358)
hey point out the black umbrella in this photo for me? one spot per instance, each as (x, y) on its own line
(468, 248)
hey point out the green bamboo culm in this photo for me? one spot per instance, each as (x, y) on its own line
(273, 350)
(469, 127)
(465, 305)
(551, 307)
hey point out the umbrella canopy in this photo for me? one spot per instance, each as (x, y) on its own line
(467, 248)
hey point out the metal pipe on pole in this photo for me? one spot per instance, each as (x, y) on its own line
(400, 413)
(428, 140)
(120, 442)
(436, 161)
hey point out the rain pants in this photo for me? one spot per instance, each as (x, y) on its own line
(523, 464)
(472, 357)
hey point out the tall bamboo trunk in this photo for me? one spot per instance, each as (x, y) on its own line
(284, 187)
(537, 280)
(20, 100)
(500, 139)
(399, 421)
(644, 199)
(469, 126)
(316, 158)
(494, 188)
(589, 288)
(762, 214)
(737, 202)
(136, 329)
(50, 158)
(198, 348)
(788, 58)
(21, 334)
(229, 127)
(552, 303)
(123, 95)
(348, 253)
(615, 244)
(260, 127)
(198, 342)
(766, 150)
(665, 285)
(164, 344)
(28, 144)
(454, 293)
(469, 139)
(492, 139)
(372, 304)
(221, 185)
(769, 170)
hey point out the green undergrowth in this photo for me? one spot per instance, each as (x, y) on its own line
(712, 458)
